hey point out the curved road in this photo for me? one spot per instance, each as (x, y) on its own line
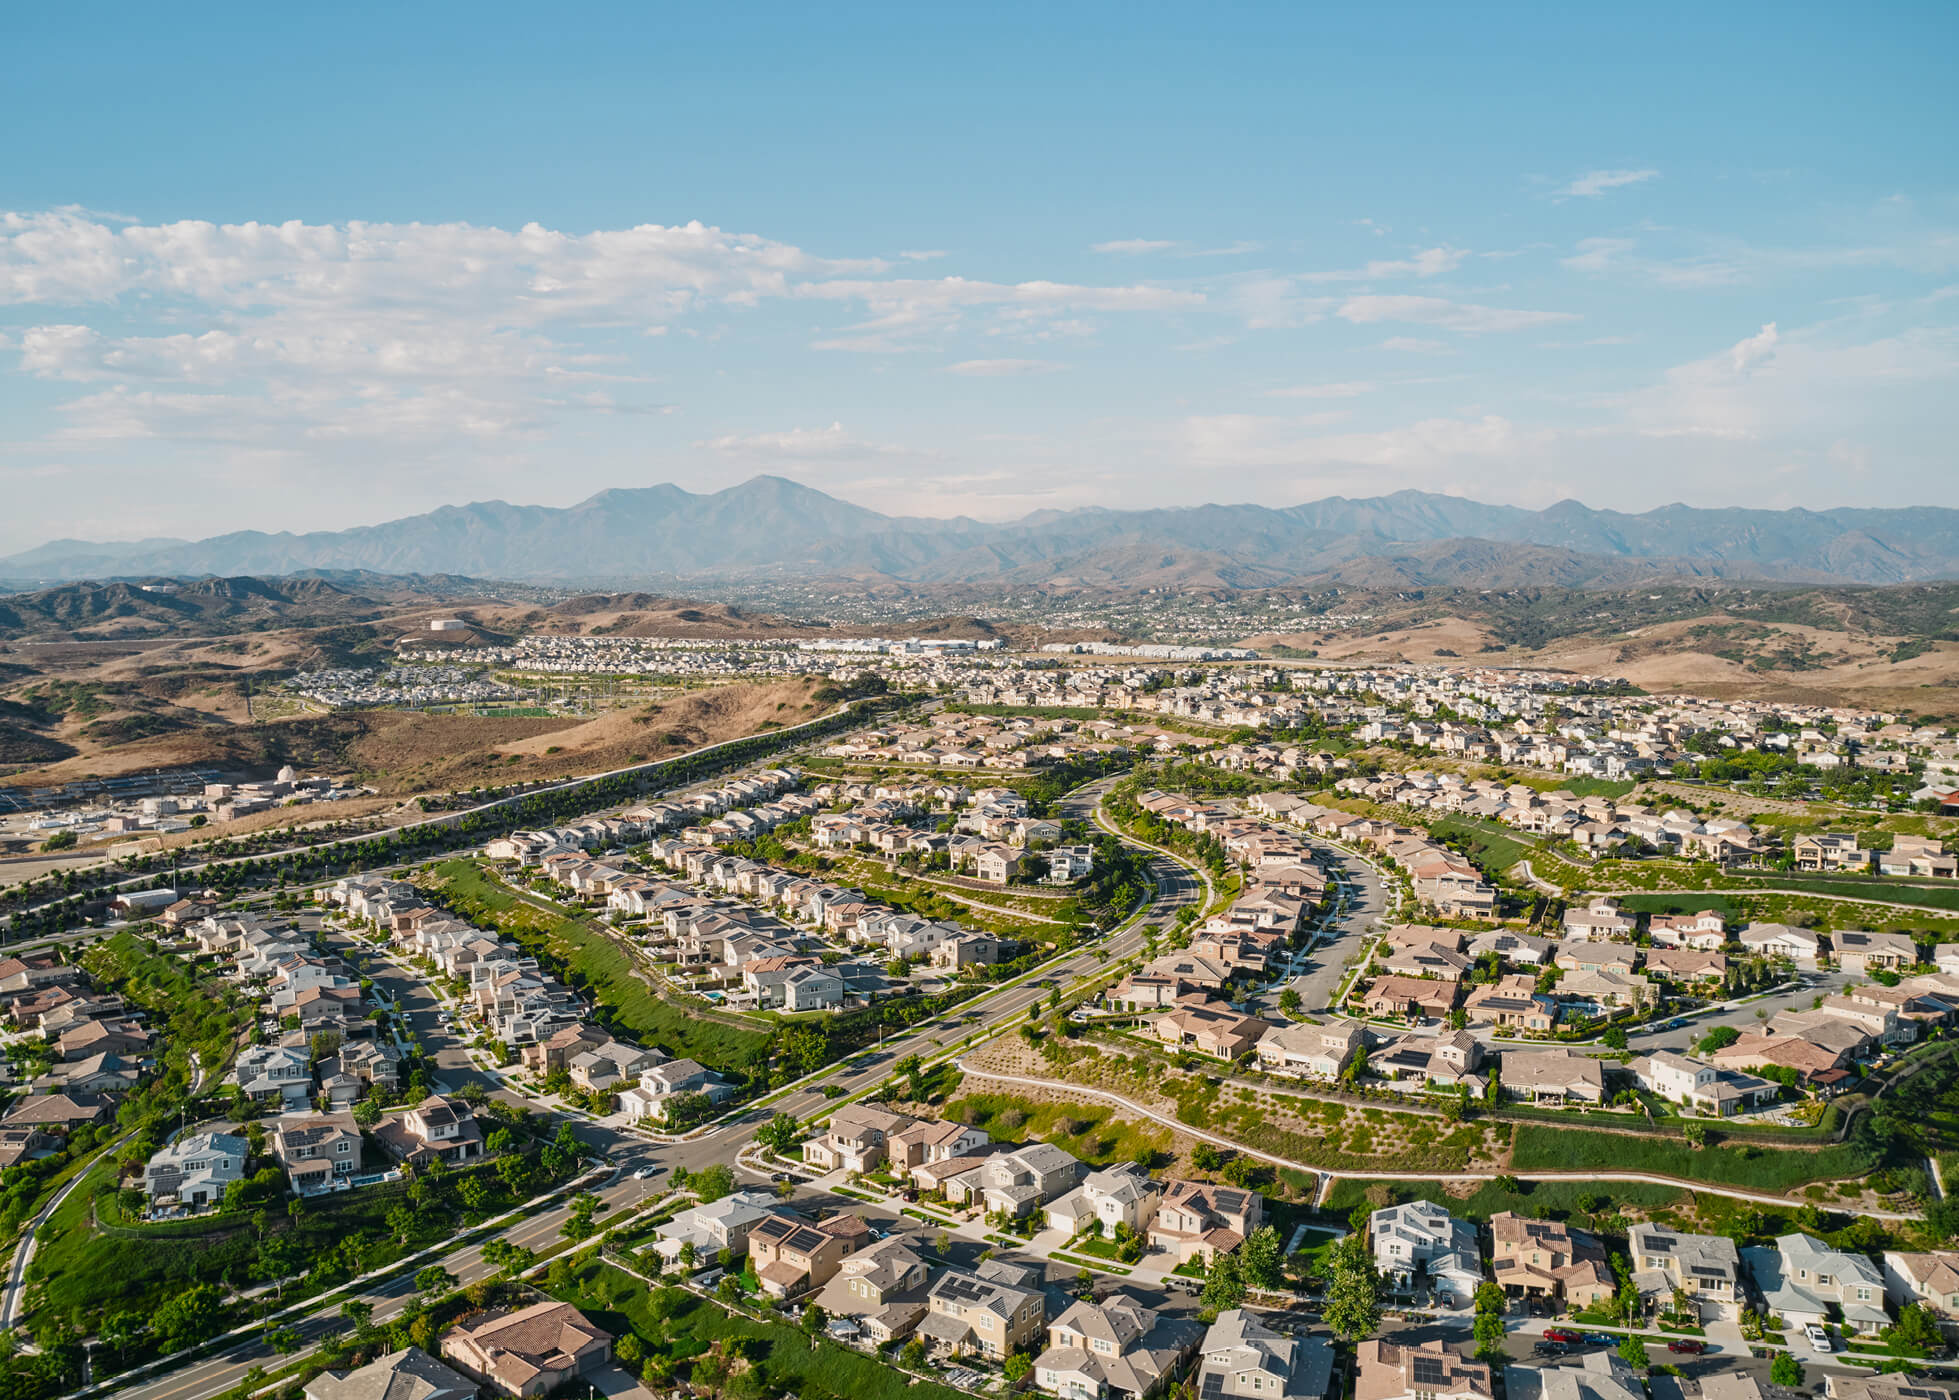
(1177, 886)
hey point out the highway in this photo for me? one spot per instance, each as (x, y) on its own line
(624, 1153)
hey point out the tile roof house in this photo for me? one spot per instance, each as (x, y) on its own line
(790, 1257)
(1115, 1348)
(1552, 1076)
(715, 1226)
(409, 1374)
(1593, 1375)
(1199, 1221)
(1016, 1181)
(1548, 1259)
(1431, 1371)
(855, 1139)
(1930, 1280)
(1245, 1360)
(1316, 1051)
(57, 1113)
(1421, 1240)
(529, 1352)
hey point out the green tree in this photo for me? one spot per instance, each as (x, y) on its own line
(1224, 1286)
(1916, 1332)
(1354, 1287)
(1206, 1158)
(187, 1318)
(1632, 1351)
(1016, 1367)
(714, 1182)
(1263, 1258)
(912, 1357)
(812, 1320)
(1290, 1001)
(781, 1133)
(1786, 1371)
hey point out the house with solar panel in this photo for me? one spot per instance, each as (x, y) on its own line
(1431, 1371)
(1421, 1247)
(1199, 1221)
(1707, 1268)
(992, 1311)
(1245, 1360)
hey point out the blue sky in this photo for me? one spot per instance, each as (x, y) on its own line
(300, 270)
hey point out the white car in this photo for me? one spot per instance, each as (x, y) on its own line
(1819, 1340)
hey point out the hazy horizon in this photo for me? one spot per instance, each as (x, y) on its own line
(973, 264)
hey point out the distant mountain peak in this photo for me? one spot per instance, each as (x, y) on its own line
(771, 525)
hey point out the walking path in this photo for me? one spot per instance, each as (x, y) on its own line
(1328, 1175)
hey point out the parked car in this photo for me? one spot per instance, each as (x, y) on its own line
(1819, 1340)
(1601, 1339)
(1561, 1334)
(1550, 1348)
(644, 1172)
(1687, 1348)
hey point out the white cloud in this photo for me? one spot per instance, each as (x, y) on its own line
(1430, 262)
(923, 254)
(1351, 389)
(987, 369)
(1415, 345)
(1134, 245)
(1595, 254)
(1449, 315)
(831, 444)
(906, 313)
(1756, 349)
(1594, 183)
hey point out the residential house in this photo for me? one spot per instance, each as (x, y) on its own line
(1549, 1259)
(1431, 1371)
(1780, 941)
(1802, 1279)
(284, 1072)
(1016, 1182)
(320, 1151)
(195, 1170)
(1410, 997)
(533, 1351)
(1195, 1220)
(1719, 1093)
(1552, 1076)
(715, 1226)
(994, 1310)
(1315, 1051)
(1116, 1349)
(1119, 1195)
(408, 1374)
(1224, 1035)
(1930, 1280)
(1245, 1360)
(879, 1291)
(790, 1258)
(1418, 1243)
(1861, 954)
(435, 1129)
(855, 1138)
(1707, 1268)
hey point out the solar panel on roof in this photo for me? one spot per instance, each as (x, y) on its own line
(1213, 1385)
(1429, 1370)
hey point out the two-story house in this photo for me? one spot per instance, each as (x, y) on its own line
(320, 1151)
(1199, 1221)
(994, 1311)
(1114, 1348)
(1707, 1268)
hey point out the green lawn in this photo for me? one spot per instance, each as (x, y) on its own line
(1488, 846)
(606, 968)
(680, 1327)
(1539, 1147)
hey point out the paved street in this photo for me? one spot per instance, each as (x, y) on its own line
(625, 1153)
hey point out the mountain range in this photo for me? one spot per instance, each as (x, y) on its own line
(772, 527)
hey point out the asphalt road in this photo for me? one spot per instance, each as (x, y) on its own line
(625, 1153)
(1743, 1018)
